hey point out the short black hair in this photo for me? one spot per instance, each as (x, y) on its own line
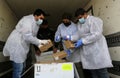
(79, 11)
(45, 22)
(39, 12)
(67, 16)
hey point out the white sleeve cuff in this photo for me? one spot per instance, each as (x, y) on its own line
(40, 42)
(40, 45)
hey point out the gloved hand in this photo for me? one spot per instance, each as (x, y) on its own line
(43, 42)
(68, 37)
(68, 52)
(57, 39)
(40, 45)
(78, 43)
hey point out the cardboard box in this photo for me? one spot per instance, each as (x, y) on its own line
(59, 55)
(45, 56)
(54, 70)
(69, 44)
(46, 46)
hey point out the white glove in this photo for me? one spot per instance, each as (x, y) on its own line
(39, 46)
(43, 42)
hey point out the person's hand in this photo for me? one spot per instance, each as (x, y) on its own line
(57, 39)
(78, 43)
(54, 50)
(68, 37)
(38, 52)
(40, 45)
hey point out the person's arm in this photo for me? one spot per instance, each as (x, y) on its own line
(95, 31)
(57, 37)
(25, 28)
(52, 34)
(55, 44)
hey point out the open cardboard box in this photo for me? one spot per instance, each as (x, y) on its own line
(54, 68)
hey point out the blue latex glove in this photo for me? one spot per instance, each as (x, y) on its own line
(68, 37)
(57, 39)
(68, 52)
(78, 43)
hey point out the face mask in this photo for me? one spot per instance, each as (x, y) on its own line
(82, 20)
(66, 24)
(39, 22)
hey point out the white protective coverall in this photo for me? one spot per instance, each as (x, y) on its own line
(94, 54)
(17, 44)
(62, 31)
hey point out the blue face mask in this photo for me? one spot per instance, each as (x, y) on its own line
(39, 22)
(82, 20)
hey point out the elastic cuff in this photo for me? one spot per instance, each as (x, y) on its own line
(83, 41)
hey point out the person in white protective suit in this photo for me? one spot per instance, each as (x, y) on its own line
(65, 28)
(24, 34)
(94, 55)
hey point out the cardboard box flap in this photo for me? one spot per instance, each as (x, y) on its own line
(69, 44)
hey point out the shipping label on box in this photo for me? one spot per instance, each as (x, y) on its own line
(69, 44)
(46, 46)
(54, 70)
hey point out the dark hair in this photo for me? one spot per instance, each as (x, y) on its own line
(39, 12)
(79, 11)
(45, 22)
(67, 16)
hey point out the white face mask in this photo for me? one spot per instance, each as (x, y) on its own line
(82, 20)
(39, 22)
